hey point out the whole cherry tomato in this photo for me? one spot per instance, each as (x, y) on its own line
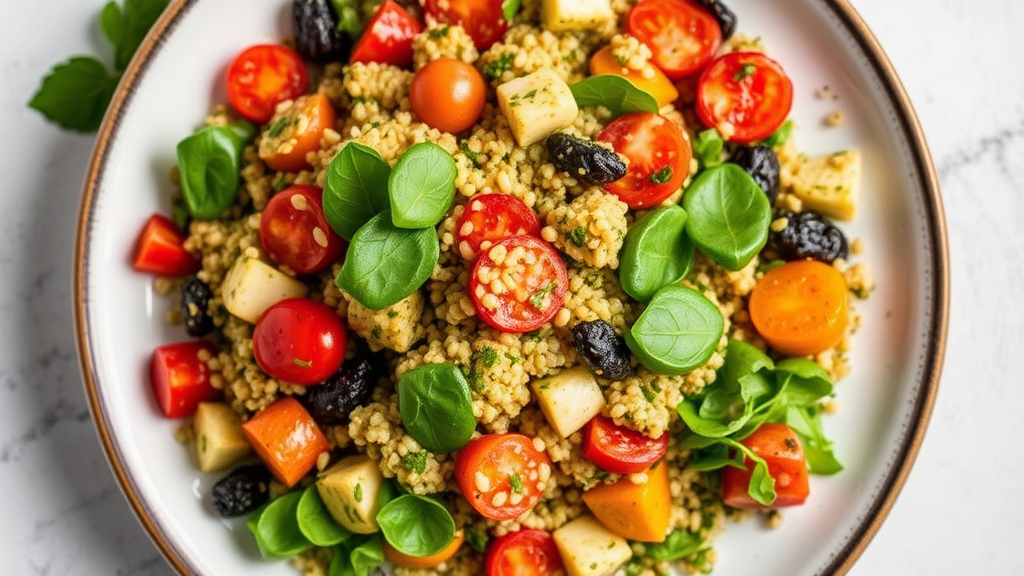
(502, 475)
(448, 94)
(659, 156)
(618, 449)
(525, 552)
(263, 76)
(299, 340)
(683, 36)
(295, 232)
(483, 20)
(781, 450)
(744, 95)
(488, 218)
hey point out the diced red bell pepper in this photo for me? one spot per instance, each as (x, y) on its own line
(780, 448)
(388, 36)
(180, 377)
(160, 249)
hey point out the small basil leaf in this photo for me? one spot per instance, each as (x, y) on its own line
(677, 332)
(209, 161)
(615, 93)
(316, 523)
(137, 17)
(729, 215)
(355, 189)
(112, 23)
(76, 93)
(656, 252)
(276, 528)
(416, 525)
(436, 406)
(367, 555)
(422, 186)
(708, 147)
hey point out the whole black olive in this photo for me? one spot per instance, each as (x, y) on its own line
(195, 306)
(333, 401)
(604, 351)
(809, 235)
(725, 17)
(243, 490)
(584, 160)
(762, 164)
(317, 37)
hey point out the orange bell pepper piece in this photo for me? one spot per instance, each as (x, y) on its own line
(634, 511)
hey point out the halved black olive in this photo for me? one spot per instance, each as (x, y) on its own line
(317, 37)
(584, 160)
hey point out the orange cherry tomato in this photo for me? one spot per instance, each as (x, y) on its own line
(744, 95)
(502, 475)
(651, 80)
(448, 94)
(295, 132)
(263, 76)
(800, 308)
(402, 559)
(781, 450)
(682, 35)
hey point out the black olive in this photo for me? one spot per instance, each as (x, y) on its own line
(584, 160)
(243, 490)
(317, 37)
(347, 389)
(604, 351)
(762, 164)
(195, 306)
(809, 235)
(725, 17)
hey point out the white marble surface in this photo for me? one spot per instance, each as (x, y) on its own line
(961, 511)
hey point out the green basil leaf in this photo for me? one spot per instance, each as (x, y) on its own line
(436, 406)
(679, 544)
(677, 332)
(112, 23)
(729, 215)
(76, 93)
(367, 555)
(209, 162)
(385, 264)
(614, 92)
(509, 9)
(276, 528)
(806, 382)
(656, 252)
(416, 525)
(422, 186)
(708, 147)
(356, 188)
(806, 422)
(349, 20)
(780, 136)
(708, 427)
(137, 17)
(316, 523)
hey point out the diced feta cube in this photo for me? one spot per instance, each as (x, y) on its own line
(537, 105)
(829, 184)
(559, 15)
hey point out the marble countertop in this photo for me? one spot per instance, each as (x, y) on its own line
(61, 512)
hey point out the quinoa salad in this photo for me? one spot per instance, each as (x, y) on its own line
(506, 287)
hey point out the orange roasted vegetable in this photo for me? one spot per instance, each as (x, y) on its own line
(634, 511)
(402, 559)
(295, 132)
(650, 79)
(287, 439)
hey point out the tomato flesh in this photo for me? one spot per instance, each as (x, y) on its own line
(488, 218)
(160, 249)
(263, 76)
(659, 156)
(295, 132)
(780, 448)
(618, 449)
(299, 340)
(502, 475)
(180, 377)
(526, 552)
(682, 36)
(519, 284)
(448, 94)
(387, 37)
(295, 232)
(483, 20)
(744, 95)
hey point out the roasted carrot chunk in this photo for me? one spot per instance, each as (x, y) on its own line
(287, 439)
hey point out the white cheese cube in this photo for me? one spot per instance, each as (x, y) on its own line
(220, 442)
(397, 327)
(569, 399)
(537, 105)
(589, 549)
(350, 490)
(252, 286)
(559, 15)
(829, 183)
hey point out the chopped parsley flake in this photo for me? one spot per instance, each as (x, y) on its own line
(661, 176)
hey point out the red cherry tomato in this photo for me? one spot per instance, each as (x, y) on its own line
(388, 36)
(780, 447)
(160, 249)
(295, 232)
(483, 20)
(180, 378)
(618, 449)
(526, 552)
(263, 76)
(448, 94)
(683, 37)
(299, 340)
(519, 284)
(745, 95)
(659, 156)
(488, 218)
(502, 475)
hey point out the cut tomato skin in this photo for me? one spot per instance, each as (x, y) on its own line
(746, 96)
(387, 37)
(483, 20)
(780, 448)
(502, 475)
(683, 37)
(618, 449)
(295, 232)
(659, 154)
(263, 76)
(488, 218)
(299, 340)
(180, 379)
(526, 552)
(160, 249)
(519, 284)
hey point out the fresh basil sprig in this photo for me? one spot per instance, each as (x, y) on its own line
(356, 188)
(416, 525)
(436, 406)
(677, 332)
(209, 162)
(614, 92)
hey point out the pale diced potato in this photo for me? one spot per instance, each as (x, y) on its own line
(559, 15)
(350, 490)
(569, 399)
(397, 327)
(537, 105)
(220, 442)
(829, 184)
(252, 286)
(589, 549)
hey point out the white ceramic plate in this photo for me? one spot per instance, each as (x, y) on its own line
(897, 355)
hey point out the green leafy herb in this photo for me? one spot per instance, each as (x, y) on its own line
(539, 298)
(209, 161)
(415, 462)
(708, 147)
(356, 188)
(515, 482)
(350, 20)
(316, 523)
(677, 332)
(679, 544)
(276, 528)
(745, 71)
(729, 215)
(416, 525)
(436, 406)
(655, 253)
(615, 93)
(494, 70)
(509, 9)
(357, 556)
(661, 176)
(577, 236)
(476, 539)
(780, 136)
(422, 186)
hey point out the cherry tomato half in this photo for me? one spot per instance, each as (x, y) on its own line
(526, 552)
(659, 156)
(295, 132)
(295, 232)
(682, 36)
(160, 249)
(263, 76)
(488, 218)
(618, 449)
(502, 475)
(519, 284)
(787, 465)
(387, 37)
(299, 340)
(448, 94)
(483, 20)
(745, 95)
